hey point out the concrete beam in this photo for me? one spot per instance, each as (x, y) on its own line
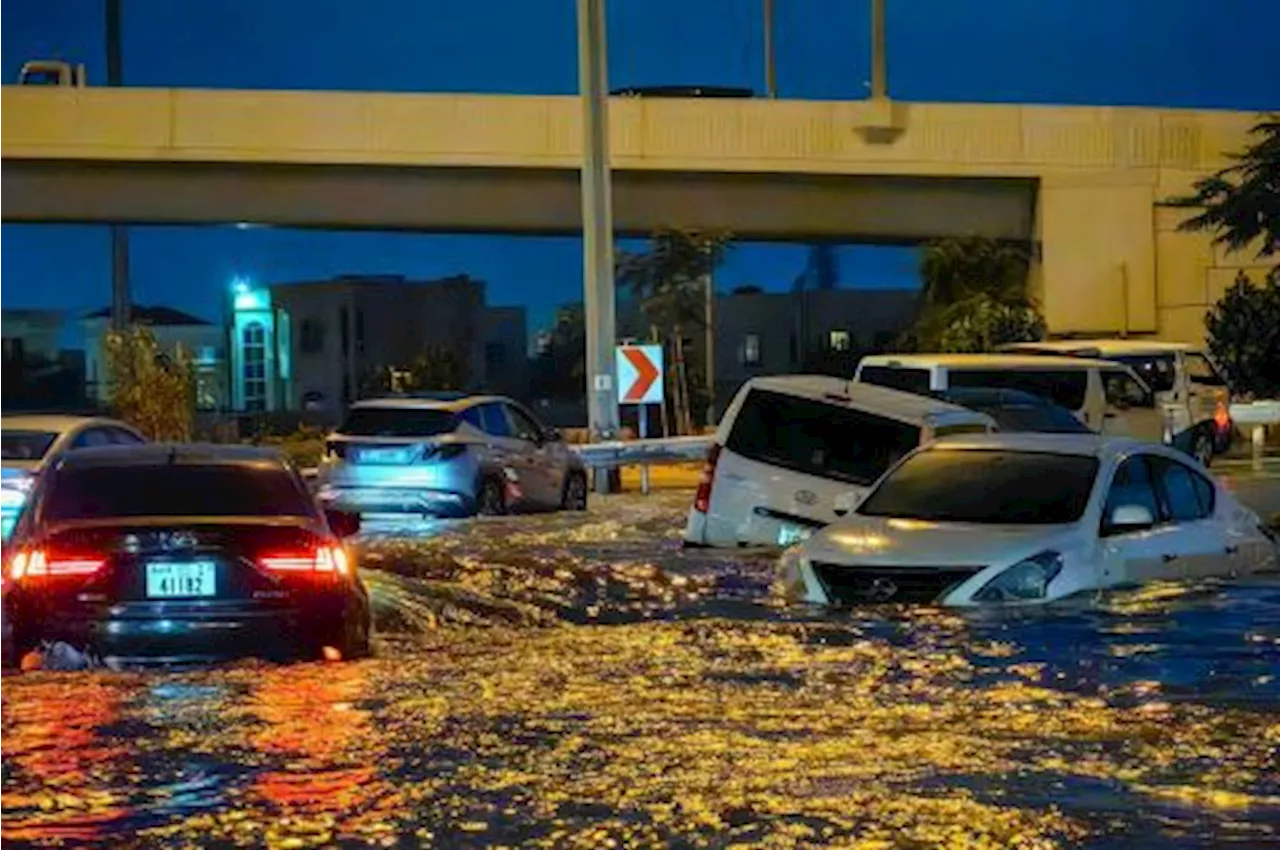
(531, 201)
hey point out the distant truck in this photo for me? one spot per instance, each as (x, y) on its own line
(51, 72)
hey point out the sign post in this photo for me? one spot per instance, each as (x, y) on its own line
(639, 369)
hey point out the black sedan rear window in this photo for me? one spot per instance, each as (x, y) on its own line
(102, 492)
(398, 422)
(25, 445)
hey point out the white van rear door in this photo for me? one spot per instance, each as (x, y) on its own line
(792, 463)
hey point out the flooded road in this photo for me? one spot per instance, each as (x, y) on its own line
(578, 681)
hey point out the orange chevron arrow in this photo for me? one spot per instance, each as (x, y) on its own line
(646, 374)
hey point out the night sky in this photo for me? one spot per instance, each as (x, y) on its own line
(1190, 53)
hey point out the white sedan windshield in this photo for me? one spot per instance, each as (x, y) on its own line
(986, 486)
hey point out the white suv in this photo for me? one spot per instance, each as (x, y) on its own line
(796, 453)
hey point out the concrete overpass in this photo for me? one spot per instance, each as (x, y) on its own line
(1082, 183)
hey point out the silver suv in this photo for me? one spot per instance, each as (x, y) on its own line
(448, 455)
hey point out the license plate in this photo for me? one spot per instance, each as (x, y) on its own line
(384, 455)
(789, 535)
(173, 580)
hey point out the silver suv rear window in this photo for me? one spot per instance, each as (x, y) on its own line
(828, 440)
(398, 422)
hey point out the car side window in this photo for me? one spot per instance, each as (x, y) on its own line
(1132, 485)
(495, 420)
(1184, 496)
(474, 417)
(1124, 391)
(91, 437)
(525, 426)
(121, 437)
(1201, 371)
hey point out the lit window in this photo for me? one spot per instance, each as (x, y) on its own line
(838, 341)
(254, 342)
(751, 350)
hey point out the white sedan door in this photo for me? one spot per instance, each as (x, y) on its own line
(1137, 555)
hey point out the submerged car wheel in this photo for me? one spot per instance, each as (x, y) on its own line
(492, 499)
(1202, 448)
(575, 492)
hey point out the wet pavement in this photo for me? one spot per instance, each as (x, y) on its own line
(579, 681)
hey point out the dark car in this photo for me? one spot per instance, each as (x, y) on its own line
(1014, 410)
(182, 553)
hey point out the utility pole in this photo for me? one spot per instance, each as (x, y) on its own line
(597, 226)
(121, 307)
(770, 75)
(879, 69)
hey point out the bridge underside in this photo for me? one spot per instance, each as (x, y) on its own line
(784, 207)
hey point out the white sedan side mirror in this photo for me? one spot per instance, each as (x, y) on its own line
(1130, 518)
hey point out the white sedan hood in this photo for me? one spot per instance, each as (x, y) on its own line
(877, 541)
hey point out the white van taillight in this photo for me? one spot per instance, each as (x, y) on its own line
(702, 499)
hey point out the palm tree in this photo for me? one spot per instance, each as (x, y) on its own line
(670, 282)
(1241, 203)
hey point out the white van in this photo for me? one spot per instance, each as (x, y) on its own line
(1106, 396)
(795, 453)
(1185, 382)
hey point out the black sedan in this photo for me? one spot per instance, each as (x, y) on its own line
(182, 553)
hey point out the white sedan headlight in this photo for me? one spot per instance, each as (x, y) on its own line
(1025, 581)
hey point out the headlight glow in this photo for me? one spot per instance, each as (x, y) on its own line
(1025, 581)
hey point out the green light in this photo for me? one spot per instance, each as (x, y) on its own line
(253, 299)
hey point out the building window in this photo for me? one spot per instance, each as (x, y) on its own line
(359, 332)
(751, 350)
(838, 341)
(495, 353)
(312, 341)
(254, 343)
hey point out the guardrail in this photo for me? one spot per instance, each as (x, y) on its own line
(656, 451)
(1258, 415)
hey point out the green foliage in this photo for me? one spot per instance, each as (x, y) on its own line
(667, 279)
(974, 298)
(436, 367)
(149, 388)
(1244, 335)
(1241, 203)
(981, 324)
(304, 447)
(560, 370)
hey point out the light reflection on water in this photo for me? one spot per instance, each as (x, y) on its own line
(560, 682)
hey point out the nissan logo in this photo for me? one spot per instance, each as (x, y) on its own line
(881, 589)
(806, 497)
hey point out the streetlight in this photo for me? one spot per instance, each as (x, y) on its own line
(879, 71)
(597, 226)
(770, 77)
(121, 307)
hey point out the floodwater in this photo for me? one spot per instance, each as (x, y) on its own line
(578, 681)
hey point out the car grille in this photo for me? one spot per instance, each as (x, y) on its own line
(854, 585)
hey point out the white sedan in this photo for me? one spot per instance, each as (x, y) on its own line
(1027, 518)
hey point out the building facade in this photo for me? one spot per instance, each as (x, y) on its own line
(776, 333)
(322, 342)
(202, 340)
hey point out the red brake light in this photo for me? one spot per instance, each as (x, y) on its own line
(702, 499)
(328, 558)
(37, 563)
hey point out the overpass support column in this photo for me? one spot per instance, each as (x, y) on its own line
(1097, 255)
(597, 225)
